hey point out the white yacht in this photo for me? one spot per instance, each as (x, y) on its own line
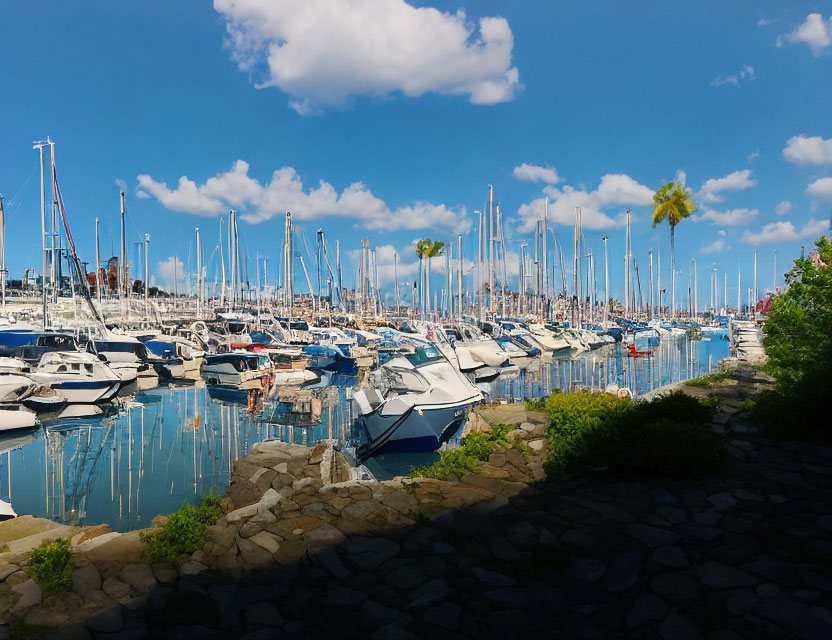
(80, 377)
(416, 402)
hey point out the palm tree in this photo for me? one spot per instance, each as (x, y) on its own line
(434, 249)
(674, 204)
(421, 250)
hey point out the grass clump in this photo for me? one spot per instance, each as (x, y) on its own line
(474, 448)
(184, 531)
(51, 567)
(670, 436)
(717, 379)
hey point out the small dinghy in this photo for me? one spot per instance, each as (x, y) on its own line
(45, 399)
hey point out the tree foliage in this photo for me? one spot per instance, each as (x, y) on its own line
(798, 343)
(672, 203)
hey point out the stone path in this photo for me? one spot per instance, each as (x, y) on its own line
(744, 553)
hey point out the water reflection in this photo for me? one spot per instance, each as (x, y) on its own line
(174, 443)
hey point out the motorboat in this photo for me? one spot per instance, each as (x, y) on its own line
(237, 370)
(414, 402)
(174, 357)
(80, 377)
(30, 345)
(125, 355)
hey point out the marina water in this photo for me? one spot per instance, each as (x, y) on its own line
(172, 444)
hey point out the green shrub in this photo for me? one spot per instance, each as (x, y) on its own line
(711, 380)
(478, 444)
(536, 404)
(474, 448)
(51, 567)
(670, 436)
(451, 461)
(184, 531)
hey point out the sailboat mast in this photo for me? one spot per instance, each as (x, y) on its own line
(606, 282)
(627, 265)
(396, 280)
(198, 274)
(459, 276)
(97, 263)
(39, 146)
(490, 248)
(222, 265)
(546, 249)
(146, 273)
(651, 301)
(122, 275)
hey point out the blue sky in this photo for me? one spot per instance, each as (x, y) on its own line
(389, 120)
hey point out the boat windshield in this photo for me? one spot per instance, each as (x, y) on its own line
(423, 354)
(405, 380)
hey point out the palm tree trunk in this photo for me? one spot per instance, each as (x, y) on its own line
(672, 271)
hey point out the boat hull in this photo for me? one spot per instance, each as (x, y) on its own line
(420, 429)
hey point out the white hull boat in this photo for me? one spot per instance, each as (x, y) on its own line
(416, 403)
(80, 377)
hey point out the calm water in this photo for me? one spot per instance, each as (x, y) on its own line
(173, 444)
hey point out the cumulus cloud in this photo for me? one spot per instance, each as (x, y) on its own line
(713, 189)
(322, 52)
(745, 73)
(821, 189)
(730, 218)
(171, 270)
(717, 246)
(802, 150)
(285, 192)
(785, 231)
(814, 32)
(186, 197)
(617, 190)
(535, 173)
(783, 207)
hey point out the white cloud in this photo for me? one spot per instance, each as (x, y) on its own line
(783, 207)
(170, 269)
(285, 192)
(535, 173)
(615, 190)
(187, 197)
(730, 218)
(820, 189)
(785, 231)
(322, 52)
(814, 32)
(717, 246)
(802, 150)
(712, 190)
(751, 157)
(764, 22)
(745, 73)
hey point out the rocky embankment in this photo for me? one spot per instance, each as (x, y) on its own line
(743, 553)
